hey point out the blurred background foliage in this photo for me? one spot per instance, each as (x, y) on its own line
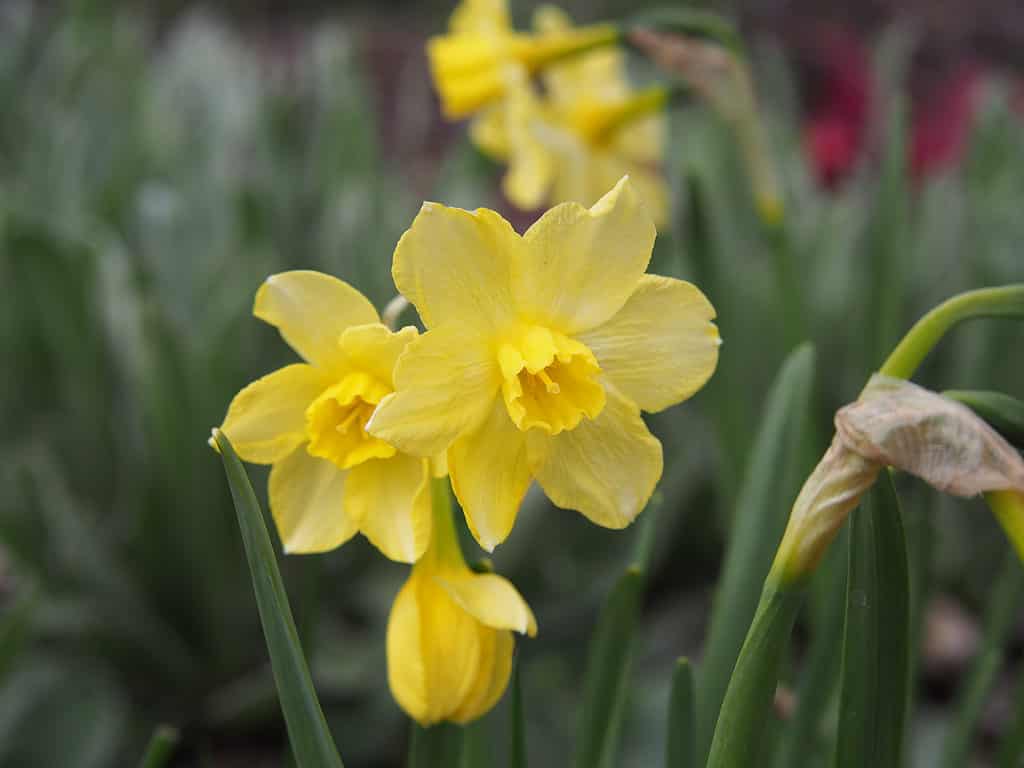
(157, 162)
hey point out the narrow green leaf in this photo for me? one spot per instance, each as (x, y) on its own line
(161, 745)
(310, 737)
(517, 749)
(874, 677)
(999, 618)
(438, 745)
(1004, 413)
(608, 666)
(746, 708)
(888, 241)
(771, 483)
(681, 745)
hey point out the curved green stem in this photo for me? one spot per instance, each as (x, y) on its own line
(1005, 301)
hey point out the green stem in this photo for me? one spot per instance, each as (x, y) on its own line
(741, 724)
(1005, 301)
(444, 550)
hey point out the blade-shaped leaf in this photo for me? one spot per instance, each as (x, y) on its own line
(310, 737)
(681, 746)
(161, 744)
(606, 686)
(764, 502)
(874, 679)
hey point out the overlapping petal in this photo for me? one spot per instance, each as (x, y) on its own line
(491, 598)
(662, 346)
(266, 420)
(407, 672)
(454, 266)
(451, 647)
(606, 468)
(391, 499)
(306, 501)
(490, 475)
(580, 265)
(447, 380)
(374, 349)
(311, 310)
(492, 675)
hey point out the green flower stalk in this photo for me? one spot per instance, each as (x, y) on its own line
(868, 433)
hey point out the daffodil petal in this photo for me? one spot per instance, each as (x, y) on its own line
(391, 499)
(451, 648)
(446, 382)
(480, 17)
(306, 501)
(374, 349)
(492, 675)
(489, 132)
(491, 598)
(407, 674)
(311, 309)
(267, 419)
(454, 266)
(606, 468)
(580, 265)
(490, 476)
(662, 346)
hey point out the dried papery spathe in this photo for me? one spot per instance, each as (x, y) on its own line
(899, 424)
(830, 493)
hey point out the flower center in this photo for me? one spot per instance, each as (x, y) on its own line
(550, 381)
(336, 422)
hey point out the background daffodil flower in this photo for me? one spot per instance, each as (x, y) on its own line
(449, 635)
(330, 478)
(590, 128)
(540, 352)
(472, 64)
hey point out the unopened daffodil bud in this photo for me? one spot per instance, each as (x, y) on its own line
(899, 424)
(831, 492)
(449, 636)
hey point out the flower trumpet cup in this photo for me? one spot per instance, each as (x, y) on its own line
(541, 351)
(331, 479)
(471, 65)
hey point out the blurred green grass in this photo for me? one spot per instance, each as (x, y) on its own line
(151, 178)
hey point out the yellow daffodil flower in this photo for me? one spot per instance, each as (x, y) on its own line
(540, 353)
(449, 636)
(472, 64)
(330, 479)
(589, 129)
